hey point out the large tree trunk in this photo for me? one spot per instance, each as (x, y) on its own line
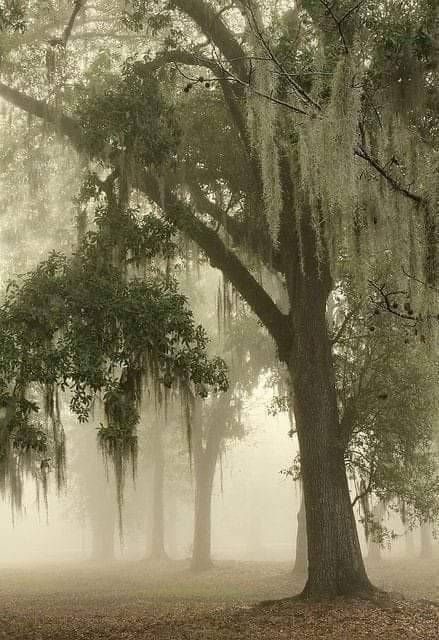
(301, 561)
(157, 550)
(205, 460)
(335, 563)
(102, 516)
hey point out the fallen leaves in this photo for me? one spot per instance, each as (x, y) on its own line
(131, 601)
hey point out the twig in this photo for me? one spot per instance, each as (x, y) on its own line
(387, 302)
(342, 327)
(296, 86)
(337, 21)
(361, 152)
(352, 10)
(364, 493)
(419, 281)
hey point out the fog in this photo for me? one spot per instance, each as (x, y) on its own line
(253, 515)
(219, 319)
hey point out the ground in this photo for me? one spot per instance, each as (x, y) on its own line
(138, 601)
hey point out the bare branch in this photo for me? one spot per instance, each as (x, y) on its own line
(388, 304)
(352, 10)
(364, 493)
(361, 152)
(338, 22)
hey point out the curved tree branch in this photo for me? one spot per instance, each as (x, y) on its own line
(234, 228)
(233, 92)
(69, 26)
(212, 25)
(220, 257)
(64, 124)
(182, 215)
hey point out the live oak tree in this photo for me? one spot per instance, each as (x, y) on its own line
(309, 151)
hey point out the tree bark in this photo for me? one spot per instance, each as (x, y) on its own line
(335, 562)
(409, 543)
(301, 562)
(201, 554)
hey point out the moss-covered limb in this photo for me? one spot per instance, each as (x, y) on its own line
(223, 258)
(214, 27)
(239, 232)
(63, 123)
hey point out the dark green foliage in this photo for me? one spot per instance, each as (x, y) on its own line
(387, 389)
(128, 116)
(90, 325)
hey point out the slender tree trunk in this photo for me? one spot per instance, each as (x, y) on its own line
(409, 543)
(201, 554)
(205, 460)
(171, 525)
(301, 562)
(102, 515)
(157, 550)
(335, 562)
(426, 541)
(103, 540)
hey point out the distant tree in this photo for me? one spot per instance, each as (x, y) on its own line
(220, 419)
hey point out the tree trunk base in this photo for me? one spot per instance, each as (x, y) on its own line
(354, 588)
(317, 595)
(372, 594)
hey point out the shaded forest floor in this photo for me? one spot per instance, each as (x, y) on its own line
(136, 601)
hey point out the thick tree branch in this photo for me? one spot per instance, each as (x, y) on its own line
(220, 257)
(182, 215)
(212, 25)
(236, 230)
(232, 92)
(65, 125)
